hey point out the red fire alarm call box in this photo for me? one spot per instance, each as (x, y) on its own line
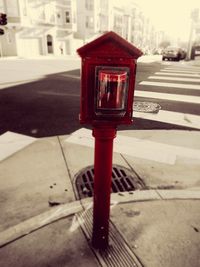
(108, 80)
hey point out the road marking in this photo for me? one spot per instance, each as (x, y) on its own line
(11, 143)
(183, 68)
(175, 79)
(178, 70)
(171, 117)
(12, 84)
(174, 85)
(70, 76)
(173, 97)
(57, 94)
(176, 74)
(138, 148)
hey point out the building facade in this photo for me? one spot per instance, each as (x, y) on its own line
(59, 27)
(95, 17)
(38, 27)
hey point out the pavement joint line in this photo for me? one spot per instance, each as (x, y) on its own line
(26, 227)
(157, 191)
(68, 169)
(131, 168)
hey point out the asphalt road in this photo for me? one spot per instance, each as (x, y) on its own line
(41, 97)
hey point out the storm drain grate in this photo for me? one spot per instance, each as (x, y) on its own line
(148, 107)
(118, 253)
(123, 180)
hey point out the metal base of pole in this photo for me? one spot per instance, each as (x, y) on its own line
(102, 185)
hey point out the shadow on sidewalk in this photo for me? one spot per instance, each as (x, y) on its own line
(50, 106)
(46, 107)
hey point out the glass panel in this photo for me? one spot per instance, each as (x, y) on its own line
(112, 89)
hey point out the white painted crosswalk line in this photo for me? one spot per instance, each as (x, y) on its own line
(171, 117)
(181, 71)
(183, 68)
(174, 85)
(173, 97)
(170, 74)
(194, 80)
(177, 74)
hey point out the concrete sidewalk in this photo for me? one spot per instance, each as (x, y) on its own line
(195, 62)
(43, 223)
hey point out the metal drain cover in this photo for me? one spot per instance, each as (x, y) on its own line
(148, 107)
(122, 180)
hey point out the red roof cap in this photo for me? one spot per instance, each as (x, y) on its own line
(113, 40)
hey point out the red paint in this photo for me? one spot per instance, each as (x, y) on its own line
(110, 52)
(107, 91)
(102, 185)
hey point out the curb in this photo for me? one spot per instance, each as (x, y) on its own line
(26, 227)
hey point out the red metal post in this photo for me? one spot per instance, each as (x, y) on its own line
(102, 184)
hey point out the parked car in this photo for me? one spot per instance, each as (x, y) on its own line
(173, 53)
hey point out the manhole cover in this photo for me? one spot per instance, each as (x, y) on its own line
(148, 107)
(122, 180)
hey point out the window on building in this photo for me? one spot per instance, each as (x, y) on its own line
(24, 8)
(2, 8)
(67, 17)
(40, 14)
(74, 17)
(9, 38)
(13, 10)
(52, 18)
(89, 4)
(89, 22)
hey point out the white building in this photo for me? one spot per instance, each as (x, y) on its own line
(88, 19)
(95, 17)
(59, 27)
(39, 27)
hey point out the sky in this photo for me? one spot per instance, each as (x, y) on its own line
(172, 16)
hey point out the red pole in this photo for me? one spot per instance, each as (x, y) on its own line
(102, 184)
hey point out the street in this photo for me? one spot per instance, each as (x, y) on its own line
(40, 98)
(45, 154)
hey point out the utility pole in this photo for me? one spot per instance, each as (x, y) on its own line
(189, 48)
(194, 19)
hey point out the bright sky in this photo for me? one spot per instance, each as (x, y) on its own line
(172, 16)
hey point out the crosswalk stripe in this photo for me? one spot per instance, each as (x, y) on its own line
(183, 68)
(175, 79)
(181, 119)
(175, 85)
(173, 97)
(182, 74)
(178, 70)
(176, 74)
